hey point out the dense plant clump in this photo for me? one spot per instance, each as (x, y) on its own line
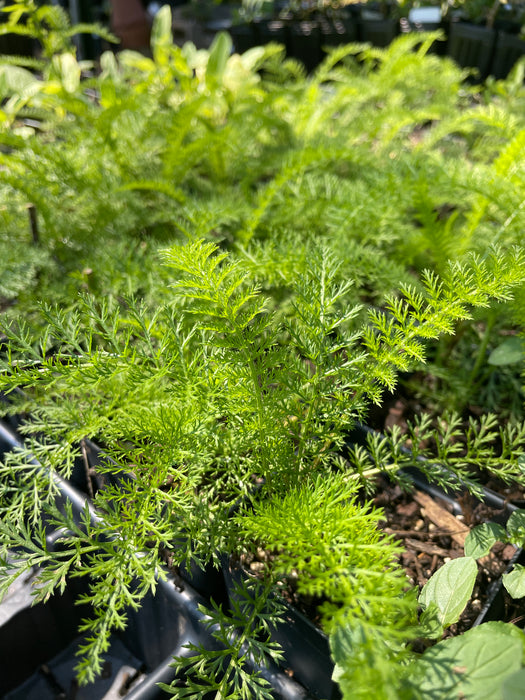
(214, 266)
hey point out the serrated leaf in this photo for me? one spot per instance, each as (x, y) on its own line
(450, 589)
(341, 643)
(514, 581)
(473, 665)
(508, 353)
(514, 685)
(481, 538)
(516, 527)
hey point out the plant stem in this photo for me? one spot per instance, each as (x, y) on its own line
(33, 223)
(260, 413)
(491, 14)
(482, 350)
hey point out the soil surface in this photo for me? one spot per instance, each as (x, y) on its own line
(432, 535)
(398, 409)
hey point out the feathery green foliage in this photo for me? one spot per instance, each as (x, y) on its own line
(224, 374)
(208, 393)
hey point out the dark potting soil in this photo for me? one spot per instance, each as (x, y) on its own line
(428, 544)
(399, 408)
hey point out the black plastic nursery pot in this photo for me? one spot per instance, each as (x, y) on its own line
(471, 46)
(305, 40)
(508, 50)
(259, 33)
(377, 31)
(268, 31)
(499, 605)
(438, 47)
(38, 643)
(305, 647)
(243, 37)
(305, 43)
(336, 32)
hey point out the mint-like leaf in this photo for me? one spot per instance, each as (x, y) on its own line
(514, 581)
(450, 589)
(516, 527)
(481, 538)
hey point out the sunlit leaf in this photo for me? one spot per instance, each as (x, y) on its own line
(450, 588)
(514, 581)
(481, 538)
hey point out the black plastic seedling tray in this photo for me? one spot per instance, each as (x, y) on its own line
(38, 643)
(305, 647)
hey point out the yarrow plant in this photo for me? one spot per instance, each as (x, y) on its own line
(228, 419)
(221, 377)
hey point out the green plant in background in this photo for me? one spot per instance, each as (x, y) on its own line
(338, 140)
(48, 25)
(491, 211)
(489, 12)
(82, 185)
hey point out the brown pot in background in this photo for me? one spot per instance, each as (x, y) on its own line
(131, 24)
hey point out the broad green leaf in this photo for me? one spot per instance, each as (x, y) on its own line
(514, 686)
(341, 645)
(514, 581)
(161, 36)
(516, 527)
(450, 589)
(481, 538)
(220, 51)
(509, 352)
(521, 463)
(474, 665)
(68, 69)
